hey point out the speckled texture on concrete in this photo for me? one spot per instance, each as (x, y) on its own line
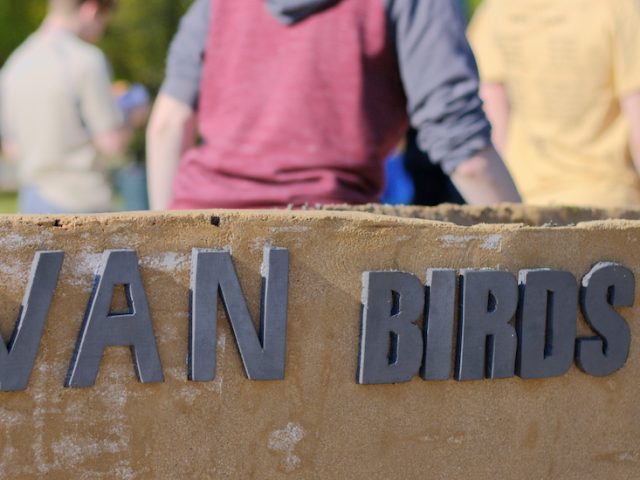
(318, 423)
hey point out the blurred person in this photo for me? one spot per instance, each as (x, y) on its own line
(561, 84)
(300, 101)
(130, 179)
(59, 118)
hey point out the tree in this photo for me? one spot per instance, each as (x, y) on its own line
(136, 42)
(139, 37)
(23, 16)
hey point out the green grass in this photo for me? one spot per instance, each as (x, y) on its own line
(8, 202)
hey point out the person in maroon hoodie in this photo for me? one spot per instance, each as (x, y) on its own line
(300, 101)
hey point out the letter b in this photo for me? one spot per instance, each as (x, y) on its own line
(391, 344)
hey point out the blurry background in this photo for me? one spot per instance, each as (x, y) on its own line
(136, 44)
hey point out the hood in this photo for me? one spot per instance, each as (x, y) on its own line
(292, 11)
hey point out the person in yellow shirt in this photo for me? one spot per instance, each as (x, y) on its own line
(561, 85)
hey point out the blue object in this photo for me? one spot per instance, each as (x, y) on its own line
(399, 189)
(137, 96)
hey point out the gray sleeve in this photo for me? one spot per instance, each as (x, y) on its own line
(184, 62)
(440, 78)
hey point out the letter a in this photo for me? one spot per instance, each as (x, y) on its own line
(102, 329)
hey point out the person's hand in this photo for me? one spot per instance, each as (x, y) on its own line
(138, 116)
(484, 179)
(134, 103)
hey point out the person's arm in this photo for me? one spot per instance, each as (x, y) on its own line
(443, 100)
(170, 130)
(496, 106)
(113, 142)
(8, 149)
(631, 108)
(105, 122)
(172, 125)
(625, 48)
(483, 179)
(484, 36)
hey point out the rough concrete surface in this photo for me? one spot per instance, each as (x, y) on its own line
(317, 423)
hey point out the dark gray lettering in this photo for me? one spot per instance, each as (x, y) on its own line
(606, 286)
(101, 328)
(391, 344)
(487, 341)
(546, 323)
(439, 325)
(264, 354)
(17, 359)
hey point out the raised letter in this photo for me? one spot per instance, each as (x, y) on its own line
(546, 323)
(390, 344)
(263, 355)
(101, 328)
(16, 360)
(438, 326)
(487, 341)
(607, 285)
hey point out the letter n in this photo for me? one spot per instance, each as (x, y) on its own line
(263, 354)
(102, 328)
(17, 359)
